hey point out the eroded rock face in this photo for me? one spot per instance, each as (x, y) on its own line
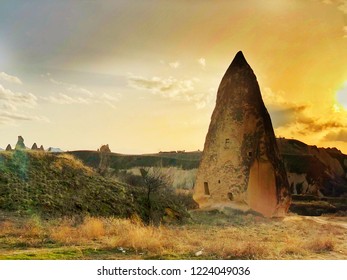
(20, 143)
(241, 165)
(34, 147)
(105, 149)
(8, 148)
(104, 158)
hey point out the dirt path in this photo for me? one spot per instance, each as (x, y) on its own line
(328, 221)
(320, 220)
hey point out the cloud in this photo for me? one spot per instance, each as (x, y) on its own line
(175, 64)
(202, 62)
(11, 117)
(75, 94)
(81, 90)
(203, 99)
(343, 6)
(172, 88)
(110, 100)
(10, 78)
(298, 117)
(53, 81)
(9, 99)
(340, 4)
(11, 104)
(283, 112)
(169, 87)
(345, 31)
(71, 87)
(340, 135)
(64, 99)
(315, 125)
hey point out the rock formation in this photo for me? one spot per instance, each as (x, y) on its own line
(20, 143)
(105, 149)
(8, 148)
(34, 147)
(41, 148)
(104, 158)
(241, 166)
(320, 172)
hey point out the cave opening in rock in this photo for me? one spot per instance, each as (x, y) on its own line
(230, 196)
(227, 143)
(207, 190)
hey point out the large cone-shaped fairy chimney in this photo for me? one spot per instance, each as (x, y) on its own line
(241, 167)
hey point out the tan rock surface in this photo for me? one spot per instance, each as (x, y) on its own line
(241, 166)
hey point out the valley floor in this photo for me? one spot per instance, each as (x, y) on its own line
(208, 235)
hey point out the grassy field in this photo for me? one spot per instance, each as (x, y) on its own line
(209, 235)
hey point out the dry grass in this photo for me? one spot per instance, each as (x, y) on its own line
(258, 239)
(321, 244)
(68, 159)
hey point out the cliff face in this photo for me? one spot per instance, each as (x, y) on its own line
(241, 165)
(320, 172)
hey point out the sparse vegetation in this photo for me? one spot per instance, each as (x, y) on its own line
(216, 235)
(54, 207)
(56, 185)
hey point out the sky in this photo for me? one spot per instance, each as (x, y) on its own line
(142, 76)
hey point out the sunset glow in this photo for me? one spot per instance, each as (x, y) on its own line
(142, 76)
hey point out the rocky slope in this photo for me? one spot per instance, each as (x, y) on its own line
(314, 171)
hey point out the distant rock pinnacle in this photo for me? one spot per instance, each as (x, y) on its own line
(241, 166)
(20, 143)
(104, 159)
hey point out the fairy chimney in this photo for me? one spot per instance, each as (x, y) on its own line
(20, 143)
(104, 158)
(34, 147)
(8, 148)
(241, 167)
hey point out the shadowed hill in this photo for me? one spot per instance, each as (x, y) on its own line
(187, 160)
(317, 176)
(314, 171)
(311, 170)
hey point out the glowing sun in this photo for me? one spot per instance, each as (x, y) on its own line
(341, 95)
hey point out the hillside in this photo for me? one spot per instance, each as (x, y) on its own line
(49, 184)
(314, 171)
(186, 160)
(310, 170)
(317, 176)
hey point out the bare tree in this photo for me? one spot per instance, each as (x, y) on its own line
(155, 182)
